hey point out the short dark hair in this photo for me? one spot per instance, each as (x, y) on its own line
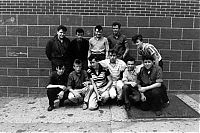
(62, 27)
(130, 59)
(99, 27)
(112, 51)
(79, 30)
(116, 23)
(60, 65)
(78, 62)
(147, 57)
(93, 56)
(137, 37)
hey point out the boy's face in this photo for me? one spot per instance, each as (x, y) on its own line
(77, 68)
(130, 65)
(98, 33)
(61, 34)
(79, 35)
(113, 57)
(61, 70)
(94, 63)
(115, 29)
(148, 64)
(138, 42)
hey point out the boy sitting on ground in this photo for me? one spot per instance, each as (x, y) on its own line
(79, 85)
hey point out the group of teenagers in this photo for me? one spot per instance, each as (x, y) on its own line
(101, 70)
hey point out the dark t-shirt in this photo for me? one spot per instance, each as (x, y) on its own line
(56, 79)
(118, 43)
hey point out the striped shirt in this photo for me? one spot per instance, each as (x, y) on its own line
(115, 69)
(149, 49)
(99, 79)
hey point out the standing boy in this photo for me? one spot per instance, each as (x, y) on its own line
(58, 50)
(80, 47)
(151, 82)
(79, 85)
(145, 49)
(118, 41)
(98, 45)
(57, 87)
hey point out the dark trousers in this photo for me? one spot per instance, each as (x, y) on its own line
(130, 95)
(100, 56)
(165, 97)
(52, 95)
(153, 99)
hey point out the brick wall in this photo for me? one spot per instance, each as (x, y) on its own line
(26, 25)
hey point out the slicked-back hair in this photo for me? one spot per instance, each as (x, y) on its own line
(93, 56)
(99, 27)
(79, 30)
(78, 62)
(137, 37)
(116, 23)
(147, 57)
(112, 51)
(62, 27)
(130, 59)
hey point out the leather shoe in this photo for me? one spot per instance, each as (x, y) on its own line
(50, 108)
(158, 113)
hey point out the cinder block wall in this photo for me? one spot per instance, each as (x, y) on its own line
(26, 25)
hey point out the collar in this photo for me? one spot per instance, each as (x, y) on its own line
(115, 62)
(98, 38)
(117, 36)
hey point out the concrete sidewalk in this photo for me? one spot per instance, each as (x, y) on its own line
(30, 114)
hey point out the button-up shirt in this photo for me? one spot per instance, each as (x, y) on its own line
(118, 43)
(75, 80)
(150, 76)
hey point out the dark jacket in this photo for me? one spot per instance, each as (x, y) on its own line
(80, 49)
(57, 50)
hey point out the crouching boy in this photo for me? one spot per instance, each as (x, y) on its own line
(130, 94)
(150, 79)
(101, 81)
(57, 87)
(79, 85)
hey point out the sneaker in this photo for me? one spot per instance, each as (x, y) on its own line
(165, 105)
(84, 106)
(158, 113)
(50, 108)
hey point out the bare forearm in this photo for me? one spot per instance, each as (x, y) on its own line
(155, 85)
